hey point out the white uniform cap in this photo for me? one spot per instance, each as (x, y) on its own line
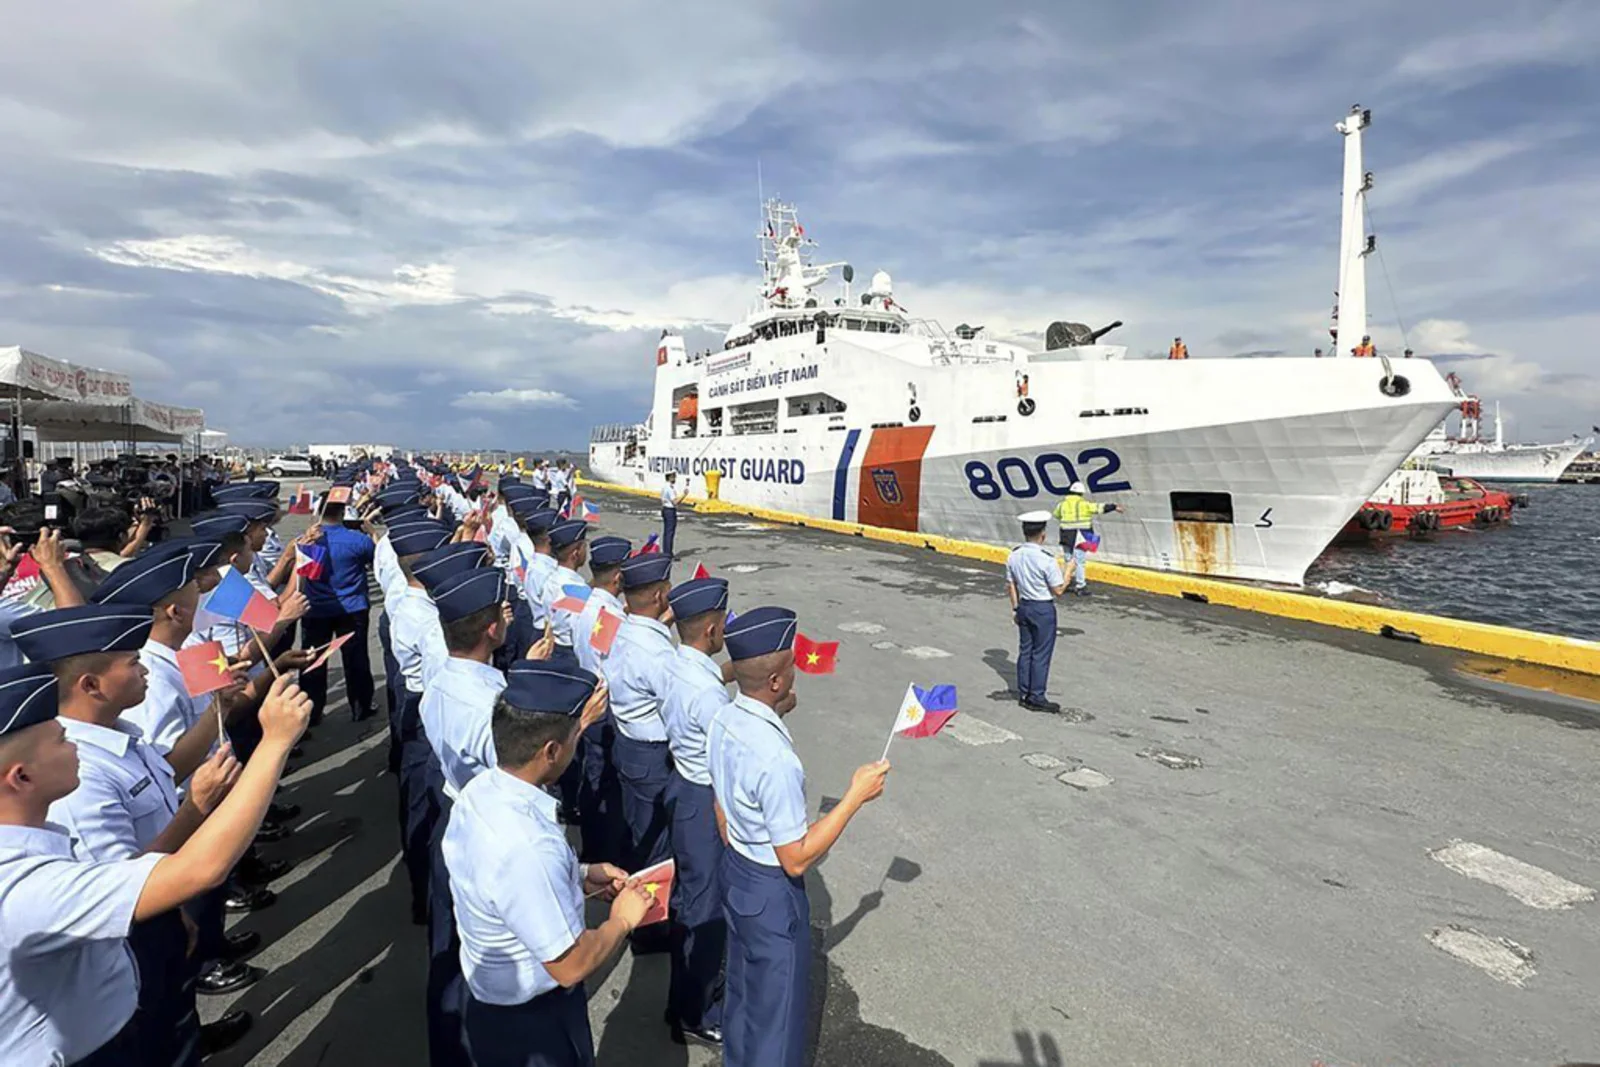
(1034, 516)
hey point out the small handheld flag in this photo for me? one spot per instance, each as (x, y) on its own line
(923, 712)
(814, 657)
(327, 653)
(235, 598)
(339, 494)
(651, 544)
(1088, 540)
(310, 561)
(572, 598)
(582, 509)
(700, 571)
(301, 504)
(657, 881)
(519, 563)
(204, 668)
(604, 631)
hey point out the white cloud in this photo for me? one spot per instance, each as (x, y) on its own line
(512, 399)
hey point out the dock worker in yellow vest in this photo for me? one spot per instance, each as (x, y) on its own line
(1179, 350)
(1076, 516)
(1365, 348)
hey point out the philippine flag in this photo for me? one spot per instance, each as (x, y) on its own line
(572, 598)
(310, 561)
(586, 511)
(235, 598)
(1088, 540)
(924, 712)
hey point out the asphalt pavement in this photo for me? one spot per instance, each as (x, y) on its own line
(1244, 841)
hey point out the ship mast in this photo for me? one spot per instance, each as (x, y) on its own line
(1354, 244)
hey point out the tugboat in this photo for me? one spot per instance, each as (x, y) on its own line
(1416, 501)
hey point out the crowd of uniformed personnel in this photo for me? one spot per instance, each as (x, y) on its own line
(542, 686)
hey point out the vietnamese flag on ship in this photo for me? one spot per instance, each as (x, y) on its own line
(604, 631)
(814, 657)
(205, 668)
(235, 598)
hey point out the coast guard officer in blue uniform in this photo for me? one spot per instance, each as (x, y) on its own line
(761, 802)
(1034, 579)
(599, 799)
(670, 499)
(696, 692)
(569, 542)
(525, 951)
(456, 709)
(637, 672)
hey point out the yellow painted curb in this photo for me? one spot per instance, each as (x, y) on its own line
(1523, 646)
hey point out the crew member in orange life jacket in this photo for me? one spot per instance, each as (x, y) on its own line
(1179, 350)
(1365, 348)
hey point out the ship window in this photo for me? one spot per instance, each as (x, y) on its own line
(761, 417)
(814, 404)
(1202, 507)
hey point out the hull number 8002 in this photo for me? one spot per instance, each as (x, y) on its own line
(1050, 472)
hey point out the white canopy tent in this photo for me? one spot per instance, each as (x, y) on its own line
(27, 375)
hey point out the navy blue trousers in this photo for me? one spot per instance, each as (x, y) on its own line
(353, 656)
(417, 810)
(551, 1030)
(169, 1029)
(518, 637)
(447, 989)
(669, 528)
(644, 768)
(701, 934)
(1036, 643)
(394, 690)
(769, 965)
(600, 796)
(124, 1050)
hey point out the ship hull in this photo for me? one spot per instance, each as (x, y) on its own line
(1254, 498)
(1543, 463)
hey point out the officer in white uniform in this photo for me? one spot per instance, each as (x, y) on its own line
(599, 799)
(568, 540)
(1034, 578)
(456, 706)
(637, 673)
(525, 951)
(670, 499)
(696, 693)
(760, 789)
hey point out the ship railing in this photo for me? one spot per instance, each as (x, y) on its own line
(613, 433)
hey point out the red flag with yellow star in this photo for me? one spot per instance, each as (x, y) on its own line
(604, 631)
(657, 881)
(814, 657)
(205, 668)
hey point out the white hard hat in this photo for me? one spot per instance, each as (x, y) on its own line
(1077, 487)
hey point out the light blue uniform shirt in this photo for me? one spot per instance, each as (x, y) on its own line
(457, 708)
(590, 658)
(539, 567)
(167, 711)
(516, 908)
(125, 795)
(416, 637)
(561, 620)
(503, 532)
(636, 674)
(758, 779)
(1033, 569)
(271, 552)
(695, 694)
(454, 500)
(68, 982)
(386, 568)
(12, 609)
(669, 496)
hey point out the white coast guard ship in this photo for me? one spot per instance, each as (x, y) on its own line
(1469, 454)
(845, 407)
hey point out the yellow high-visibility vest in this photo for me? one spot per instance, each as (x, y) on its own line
(1076, 513)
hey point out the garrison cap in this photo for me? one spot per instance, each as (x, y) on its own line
(245, 491)
(609, 551)
(698, 596)
(203, 551)
(436, 565)
(569, 532)
(640, 571)
(464, 592)
(394, 516)
(149, 577)
(539, 520)
(65, 632)
(254, 510)
(217, 524)
(534, 685)
(414, 542)
(516, 491)
(28, 697)
(760, 631)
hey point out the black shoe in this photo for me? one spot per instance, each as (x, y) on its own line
(238, 945)
(1049, 705)
(246, 899)
(363, 715)
(1081, 591)
(226, 1031)
(700, 1035)
(221, 978)
(282, 812)
(255, 871)
(272, 831)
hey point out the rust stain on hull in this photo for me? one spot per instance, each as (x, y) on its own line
(1204, 547)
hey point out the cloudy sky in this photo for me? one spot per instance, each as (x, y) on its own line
(463, 225)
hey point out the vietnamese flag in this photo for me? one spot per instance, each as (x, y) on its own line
(814, 657)
(700, 572)
(339, 494)
(205, 668)
(604, 631)
(657, 881)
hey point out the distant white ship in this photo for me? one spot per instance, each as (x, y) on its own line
(1468, 454)
(848, 408)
